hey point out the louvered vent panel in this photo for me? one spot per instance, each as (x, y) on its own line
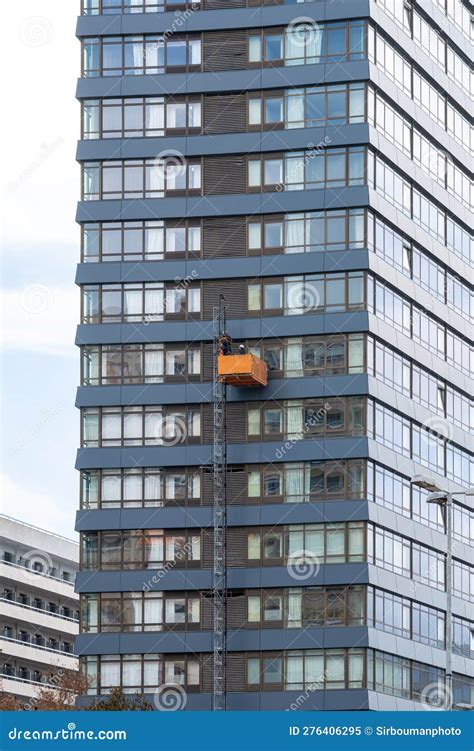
(224, 237)
(208, 368)
(236, 487)
(235, 297)
(207, 548)
(225, 113)
(236, 423)
(207, 673)
(224, 50)
(236, 547)
(214, 4)
(235, 673)
(224, 175)
(207, 618)
(236, 612)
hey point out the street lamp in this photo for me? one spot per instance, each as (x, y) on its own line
(444, 499)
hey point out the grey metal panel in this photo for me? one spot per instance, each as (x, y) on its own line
(224, 143)
(275, 639)
(229, 205)
(277, 576)
(240, 516)
(421, 58)
(415, 651)
(217, 19)
(242, 453)
(238, 641)
(238, 578)
(223, 268)
(219, 82)
(448, 28)
(281, 388)
(199, 331)
(422, 118)
(343, 700)
(143, 581)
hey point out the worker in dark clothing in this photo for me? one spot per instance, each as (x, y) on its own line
(241, 349)
(225, 344)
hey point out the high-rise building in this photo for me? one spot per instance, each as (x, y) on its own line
(39, 610)
(310, 162)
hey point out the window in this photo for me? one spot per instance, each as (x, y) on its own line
(329, 543)
(312, 293)
(306, 418)
(308, 669)
(134, 426)
(308, 43)
(139, 611)
(140, 363)
(134, 241)
(138, 55)
(141, 302)
(142, 673)
(139, 549)
(318, 168)
(337, 104)
(135, 488)
(306, 233)
(419, 88)
(140, 178)
(296, 483)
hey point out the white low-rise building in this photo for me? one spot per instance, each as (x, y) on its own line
(39, 609)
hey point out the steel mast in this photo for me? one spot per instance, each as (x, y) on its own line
(220, 518)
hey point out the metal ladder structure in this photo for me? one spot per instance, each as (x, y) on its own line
(220, 519)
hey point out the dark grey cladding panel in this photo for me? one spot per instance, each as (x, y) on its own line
(201, 331)
(238, 641)
(297, 638)
(306, 701)
(146, 643)
(225, 143)
(236, 18)
(143, 581)
(267, 701)
(221, 81)
(227, 205)
(143, 456)
(242, 453)
(278, 576)
(223, 268)
(195, 579)
(298, 513)
(97, 644)
(238, 516)
(281, 388)
(155, 518)
(91, 396)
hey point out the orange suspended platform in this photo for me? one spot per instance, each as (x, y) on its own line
(242, 370)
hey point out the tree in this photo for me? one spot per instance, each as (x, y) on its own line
(58, 694)
(117, 701)
(9, 703)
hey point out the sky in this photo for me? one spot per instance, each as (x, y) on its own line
(39, 251)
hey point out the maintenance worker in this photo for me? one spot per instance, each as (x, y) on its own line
(225, 344)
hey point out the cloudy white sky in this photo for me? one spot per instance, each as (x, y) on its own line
(39, 242)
